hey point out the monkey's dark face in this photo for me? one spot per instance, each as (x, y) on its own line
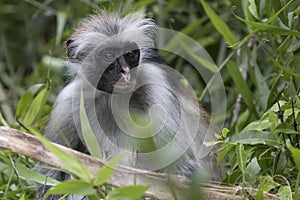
(118, 61)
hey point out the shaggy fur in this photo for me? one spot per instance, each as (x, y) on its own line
(158, 96)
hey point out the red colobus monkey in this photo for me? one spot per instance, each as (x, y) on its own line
(133, 100)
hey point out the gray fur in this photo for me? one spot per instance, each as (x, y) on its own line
(162, 88)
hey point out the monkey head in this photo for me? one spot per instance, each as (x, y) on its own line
(120, 61)
(107, 50)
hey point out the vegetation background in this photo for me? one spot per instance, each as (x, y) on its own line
(255, 44)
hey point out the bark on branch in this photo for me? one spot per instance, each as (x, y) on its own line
(29, 145)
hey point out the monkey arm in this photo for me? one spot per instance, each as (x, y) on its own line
(61, 128)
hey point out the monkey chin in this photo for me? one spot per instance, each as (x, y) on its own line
(124, 87)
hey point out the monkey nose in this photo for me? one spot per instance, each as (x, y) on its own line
(126, 73)
(125, 70)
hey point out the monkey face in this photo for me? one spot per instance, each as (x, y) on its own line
(118, 62)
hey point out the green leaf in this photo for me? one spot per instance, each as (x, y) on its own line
(107, 170)
(285, 128)
(283, 68)
(73, 187)
(285, 193)
(284, 45)
(258, 125)
(22, 197)
(266, 184)
(241, 157)
(224, 152)
(272, 18)
(253, 9)
(244, 40)
(269, 28)
(87, 132)
(36, 106)
(274, 90)
(243, 119)
(30, 174)
(71, 163)
(61, 21)
(193, 26)
(26, 99)
(133, 192)
(262, 86)
(254, 137)
(212, 143)
(225, 132)
(280, 7)
(281, 162)
(219, 24)
(264, 157)
(296, 155)
(288, 112)
(203, 61)
(210, 83)
(252, 169)
(240, 83)
(218, 137)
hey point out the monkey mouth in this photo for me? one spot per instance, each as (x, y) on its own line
(122, 86)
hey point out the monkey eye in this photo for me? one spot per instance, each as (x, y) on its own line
(130, 53)
(108, 56)
(132, 56)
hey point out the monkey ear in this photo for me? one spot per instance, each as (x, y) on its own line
(69, 41)
(70, 48)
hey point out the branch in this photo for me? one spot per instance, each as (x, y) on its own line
(162, 186)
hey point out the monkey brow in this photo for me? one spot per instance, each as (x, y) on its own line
(119, 45)
(124, 48)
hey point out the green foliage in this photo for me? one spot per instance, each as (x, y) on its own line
(16, 187)
(86, 184)
(73, 187)
(127, 193)
(219, 24)
(73, 165)
(240, 83)
(29, 174)
(30, 107)
(107, 170)
(87, 132)
(264, 150)
(94, 188)
(256, 48)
